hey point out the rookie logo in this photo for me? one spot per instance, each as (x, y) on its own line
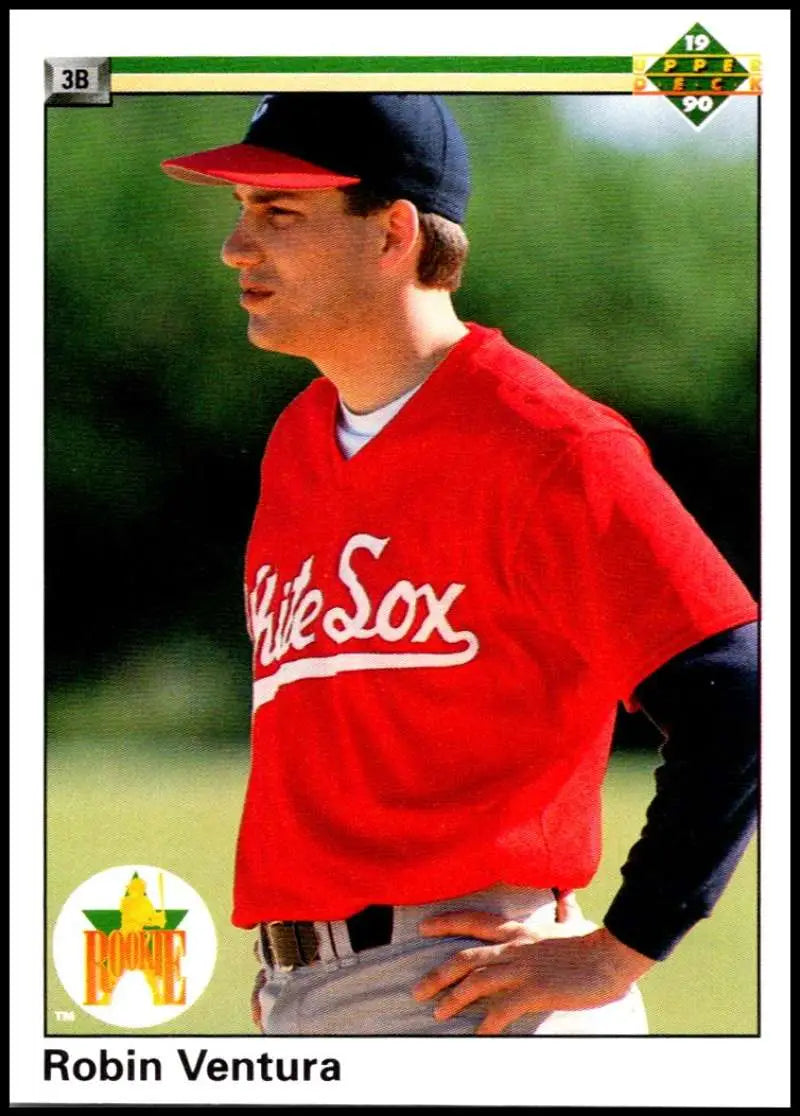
(134, 946)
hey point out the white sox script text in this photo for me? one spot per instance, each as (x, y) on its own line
(301, 614)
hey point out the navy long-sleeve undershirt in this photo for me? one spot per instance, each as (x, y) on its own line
(705, 702)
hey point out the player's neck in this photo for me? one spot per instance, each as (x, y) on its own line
(397, 353)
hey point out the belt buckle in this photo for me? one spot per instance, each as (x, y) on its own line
(281, 946)
(289, 945)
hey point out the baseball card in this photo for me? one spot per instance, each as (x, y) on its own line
(399, 441)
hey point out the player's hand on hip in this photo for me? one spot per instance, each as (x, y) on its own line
(524, 969)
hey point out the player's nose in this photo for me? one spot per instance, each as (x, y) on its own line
(239, 250)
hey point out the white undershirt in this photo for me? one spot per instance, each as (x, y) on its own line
(354, 431)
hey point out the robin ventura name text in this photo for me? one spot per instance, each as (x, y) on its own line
(195, 1066)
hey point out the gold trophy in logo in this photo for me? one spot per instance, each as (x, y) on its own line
(136, 910)
(138, 914)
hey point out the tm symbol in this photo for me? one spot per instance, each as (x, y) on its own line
(65, 1016)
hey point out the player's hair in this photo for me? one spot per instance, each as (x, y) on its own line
(444, 243)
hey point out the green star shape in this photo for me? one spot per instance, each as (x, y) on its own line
(696, 85)
(108, 920)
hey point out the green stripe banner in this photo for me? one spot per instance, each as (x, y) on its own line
(561, 64)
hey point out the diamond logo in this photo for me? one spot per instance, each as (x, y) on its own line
(697, 75)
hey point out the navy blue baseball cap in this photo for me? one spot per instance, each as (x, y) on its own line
(398, 145)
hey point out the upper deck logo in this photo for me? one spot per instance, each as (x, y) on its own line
(134, 946)
(697, 75)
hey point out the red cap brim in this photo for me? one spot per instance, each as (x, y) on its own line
(249, 165)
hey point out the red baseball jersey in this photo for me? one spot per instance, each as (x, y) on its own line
(442, 629)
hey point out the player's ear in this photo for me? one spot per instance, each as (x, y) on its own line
(401, 234)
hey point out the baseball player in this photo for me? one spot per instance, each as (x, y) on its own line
(458, 567)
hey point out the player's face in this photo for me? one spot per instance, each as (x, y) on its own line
(307, 269)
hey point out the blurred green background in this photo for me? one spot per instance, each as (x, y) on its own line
(631, 271)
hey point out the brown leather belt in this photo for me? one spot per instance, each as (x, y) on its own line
(290, 945)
